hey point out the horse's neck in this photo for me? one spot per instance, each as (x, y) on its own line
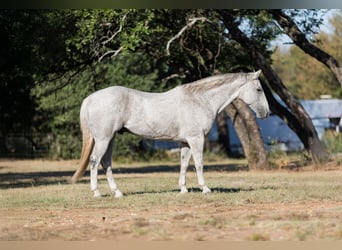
(221, 96)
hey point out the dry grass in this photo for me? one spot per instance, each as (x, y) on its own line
(37, 203)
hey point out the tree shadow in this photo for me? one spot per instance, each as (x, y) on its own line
(30, 179)
(191, 190)
(176, 168)
(22, 180)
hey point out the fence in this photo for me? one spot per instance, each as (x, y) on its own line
(24, 145)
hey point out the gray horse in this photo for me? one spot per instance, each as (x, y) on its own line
(185, 114)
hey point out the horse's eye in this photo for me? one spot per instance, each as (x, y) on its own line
(259, 89)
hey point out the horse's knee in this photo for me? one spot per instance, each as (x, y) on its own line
(93, 161)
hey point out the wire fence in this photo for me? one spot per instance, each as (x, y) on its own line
(24, 145)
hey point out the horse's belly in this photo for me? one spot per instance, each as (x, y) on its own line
(154, 130)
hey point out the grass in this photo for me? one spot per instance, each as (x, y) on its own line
(274, 205)
(259, 237)
(161, 190)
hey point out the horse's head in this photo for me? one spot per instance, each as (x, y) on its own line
(253, 95)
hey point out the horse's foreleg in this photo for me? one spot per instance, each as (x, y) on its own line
(196, 145)
(185, 158)
(107, 165)
(113, 187)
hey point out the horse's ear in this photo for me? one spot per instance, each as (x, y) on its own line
(257, 74)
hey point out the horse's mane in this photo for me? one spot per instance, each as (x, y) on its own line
(213, 81)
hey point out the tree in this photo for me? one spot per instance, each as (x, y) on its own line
(299, 38)
(50, 51)
(292, 65)
(249, 134)
(28, 55)
(16, 105)
(22, 58)
(307, 133)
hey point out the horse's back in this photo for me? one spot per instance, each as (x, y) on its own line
(108, 93)
(111, 97)
(115, 102)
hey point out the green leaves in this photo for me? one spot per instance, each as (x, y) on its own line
(60, 101)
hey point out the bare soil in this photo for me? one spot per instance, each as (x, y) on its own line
(253, 222)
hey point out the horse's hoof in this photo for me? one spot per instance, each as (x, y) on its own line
(118, 194)
(206, 190)
(97, 194)
(183, 190)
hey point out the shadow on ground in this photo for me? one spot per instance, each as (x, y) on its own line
(30, 179)
(194, 190)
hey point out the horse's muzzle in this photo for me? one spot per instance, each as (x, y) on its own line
(264, 115)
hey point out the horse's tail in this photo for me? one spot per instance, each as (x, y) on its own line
(87, 146)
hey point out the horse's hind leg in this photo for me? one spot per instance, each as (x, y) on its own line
(107, 165)
(99, 150)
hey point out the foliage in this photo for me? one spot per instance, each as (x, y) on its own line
(16, 105)
(292, 66)
(333, 141)
(99, 31)
(308, 20)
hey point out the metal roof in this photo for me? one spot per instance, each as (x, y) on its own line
(324, 108)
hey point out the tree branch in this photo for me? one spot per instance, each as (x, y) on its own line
(217, 54)
(109, 39)
(67, 81)
(298, 37)
(113, 52)
(187, 26)
(172, 76)
(117, 32)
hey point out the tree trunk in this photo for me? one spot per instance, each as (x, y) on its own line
(292, 30)
(249, 134)
(307, 131)
(223, 133)
(309, 141)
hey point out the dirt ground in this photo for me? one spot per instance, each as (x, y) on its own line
(206, 219)
(254, 222)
